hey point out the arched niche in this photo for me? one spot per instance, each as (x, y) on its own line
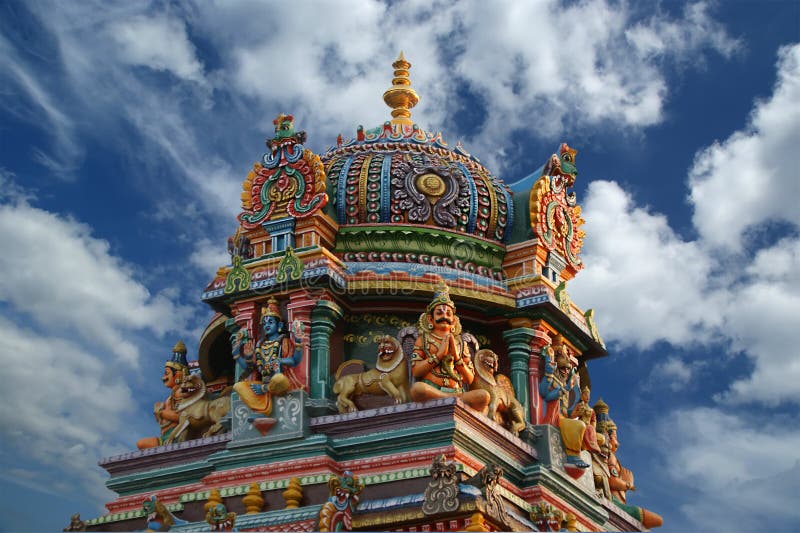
(214, 353)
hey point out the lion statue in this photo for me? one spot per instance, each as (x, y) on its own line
(503, 406)
(199, 416)
(389, 377)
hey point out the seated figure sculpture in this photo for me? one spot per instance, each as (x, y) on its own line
(268, 370)
(166, 412)
(560, 379)
(584, 412)
(441, 363)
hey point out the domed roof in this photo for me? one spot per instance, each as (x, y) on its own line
(398, 174)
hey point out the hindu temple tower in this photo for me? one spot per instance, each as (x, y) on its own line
(330, 394)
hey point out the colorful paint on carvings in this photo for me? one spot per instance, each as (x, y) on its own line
(370, 365)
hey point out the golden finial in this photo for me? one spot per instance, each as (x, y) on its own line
(401, 97)
(293, 494)
(214, 498)
(253, 501)
(179, 347)
(476, 523)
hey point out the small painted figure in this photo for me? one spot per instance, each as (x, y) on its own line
(560, 379)
(504, 408)
(584, 412)
(344, 492)
(271, 363)
(441, 364)
(158, 517)
(219, 519)
(75, 523)
(166, 412)
(389, 377)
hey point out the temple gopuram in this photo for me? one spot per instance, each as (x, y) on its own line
(393, 349)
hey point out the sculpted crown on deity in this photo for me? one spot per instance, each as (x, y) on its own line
(441, 362)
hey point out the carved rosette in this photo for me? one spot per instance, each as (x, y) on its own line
(290, 181)
(555, 217)
(431, 191)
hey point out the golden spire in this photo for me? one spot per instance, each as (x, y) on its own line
(401, 97)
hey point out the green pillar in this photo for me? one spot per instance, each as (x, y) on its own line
(519, 352)
(323, 322)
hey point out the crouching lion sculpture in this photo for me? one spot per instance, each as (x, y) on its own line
(198, 415)
(389, 377)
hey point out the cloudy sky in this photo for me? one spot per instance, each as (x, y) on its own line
(127, 128)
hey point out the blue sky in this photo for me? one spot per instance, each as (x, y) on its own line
(127, 128)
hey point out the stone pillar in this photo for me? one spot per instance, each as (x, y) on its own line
(245, 314)
(518, 340)
(299, 308)
(323, 322)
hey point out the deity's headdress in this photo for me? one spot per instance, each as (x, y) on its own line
(271, 309)
(604, 422)
(178, 359)
(441, 297)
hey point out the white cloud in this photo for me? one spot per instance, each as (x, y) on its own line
(660, 36)
(653, 284)
(72, 314)
(45, 108)
(674, 373)
(596, 75)
(751, 177)
(762, 320)
(208, 256)
(746, 468)
(69, 408)
(159, 43)
(279, 58)
(67, 281)
(657, 286)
